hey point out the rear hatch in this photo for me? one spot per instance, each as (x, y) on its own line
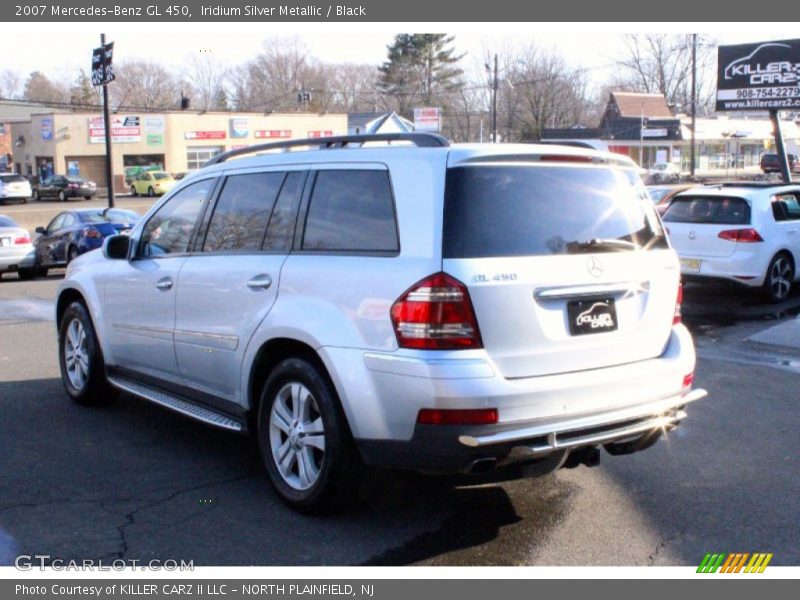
(15, 185)
(566, 264)
(695, 221)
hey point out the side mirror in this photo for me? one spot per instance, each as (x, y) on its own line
(41, 230)
(116, 247)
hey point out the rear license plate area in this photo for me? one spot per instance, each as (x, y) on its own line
(596, 315)
(5, 241)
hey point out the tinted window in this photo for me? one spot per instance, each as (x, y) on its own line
(351, 211)
(786, 208)
(114, 215)
(718, 210)
(12, 179)
(6, 222)
(55, 224)
(242, 212)
(280, 231)
(527, 211)
(69, 221)
(169, 231)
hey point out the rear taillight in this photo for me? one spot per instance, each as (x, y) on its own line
(23, 239)
(747, 236)
(436, 314)
(73, 186)
(676, 317)
(93, 233)
(565, 158)
(477, 416)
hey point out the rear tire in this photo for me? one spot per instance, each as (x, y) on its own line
(81, 360)
(305, 441)
(72, 254)
(778, 281)
(151, 192)
(133, 191)
(36, 196)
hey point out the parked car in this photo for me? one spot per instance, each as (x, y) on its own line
(770, 163)
(451, 309)
(14, 187)
(74, 232)
(152, 183)
(744, 233)
(64, 187)
(662, 195)
(16, 250)
(663, 173)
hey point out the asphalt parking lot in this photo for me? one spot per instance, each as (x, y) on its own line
(134, 481)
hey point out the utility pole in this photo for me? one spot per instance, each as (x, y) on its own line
(494, 103)
(782, 159)
(641, 140)
(694, 104)
(107, 123)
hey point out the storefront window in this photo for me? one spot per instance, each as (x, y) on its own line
(197, 156)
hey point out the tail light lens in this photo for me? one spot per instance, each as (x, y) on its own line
(93, 233)
(676, 318)
(23, 239)
(436, 314)
(73, 185)
(747, 236)
(688, 380)
(479, 416)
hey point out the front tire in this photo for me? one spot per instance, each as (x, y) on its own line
(81, 360)
(36, 195)
(62, 197)
(133, 191)
(778, 282)
(305, 441)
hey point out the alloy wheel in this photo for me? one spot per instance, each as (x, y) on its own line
(780, 278)
(297, 436)
(76, 356)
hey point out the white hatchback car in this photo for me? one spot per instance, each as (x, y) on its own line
(14, 187)
(416, 305)
(748, 233)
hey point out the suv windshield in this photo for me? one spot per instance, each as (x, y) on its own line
(720, 210)
(495, 211)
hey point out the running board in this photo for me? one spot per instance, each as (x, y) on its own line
(175, 403)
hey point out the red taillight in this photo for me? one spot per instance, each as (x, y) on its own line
(676, 318)
(23, 239)
(73, 186)
(478, 416)
(93, 233)
(688, 380)
(565, 158)
(747, 236)
(436, 314)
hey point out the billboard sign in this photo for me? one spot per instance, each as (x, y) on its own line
(426, 119)
(102, 69)
(124, 130)
(205, 135)
(240, 128)
(763, 76)
(47, 128)
(272, 133)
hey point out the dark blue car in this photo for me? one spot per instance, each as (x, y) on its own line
(73, 232)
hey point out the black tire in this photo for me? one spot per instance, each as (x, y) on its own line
(62, 197)
(91, 388)
(779, 277)
(26, 274)
(87, 197)
(333, 474)
(133, 191)
(72, 254)
(36, 195)
(23, 201)
(151, 192)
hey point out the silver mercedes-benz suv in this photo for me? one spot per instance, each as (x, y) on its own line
(395, 301)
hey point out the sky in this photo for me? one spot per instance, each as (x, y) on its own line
(589, 45)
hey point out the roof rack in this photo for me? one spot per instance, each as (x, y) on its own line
(750, 184)
(421, 140)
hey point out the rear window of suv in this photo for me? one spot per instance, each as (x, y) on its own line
(497, 211)
(13, 179)
(714, 210)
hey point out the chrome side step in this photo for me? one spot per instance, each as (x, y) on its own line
(174, 403)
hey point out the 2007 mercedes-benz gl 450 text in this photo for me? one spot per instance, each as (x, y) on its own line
(395, 301)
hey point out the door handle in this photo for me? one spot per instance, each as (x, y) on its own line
(260, 282)
(164, 284)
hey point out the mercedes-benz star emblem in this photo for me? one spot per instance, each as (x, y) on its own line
(594, 266)
(692, 235)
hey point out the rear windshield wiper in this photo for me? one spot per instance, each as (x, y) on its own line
(598, 244)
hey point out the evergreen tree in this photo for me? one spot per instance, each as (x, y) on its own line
(82, 95)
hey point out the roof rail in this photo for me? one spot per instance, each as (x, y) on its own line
(421, 140)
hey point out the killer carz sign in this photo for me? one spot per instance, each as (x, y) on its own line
(102, 69)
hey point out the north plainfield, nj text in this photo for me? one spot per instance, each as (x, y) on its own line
(284, 10)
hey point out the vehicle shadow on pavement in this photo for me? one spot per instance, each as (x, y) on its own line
(131, 480)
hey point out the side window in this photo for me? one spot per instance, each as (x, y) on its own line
(280, 232)
(55, 224)
(786, 207)
(240, 217)
(69, 221)
(169, 231)
(351, 211)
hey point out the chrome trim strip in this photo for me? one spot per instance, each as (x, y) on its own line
(654, 409)
(210, 340)
(582, 291)
(200, 413)
(160, 333)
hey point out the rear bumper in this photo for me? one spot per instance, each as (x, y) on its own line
(17, 259)
(455, 449)
(743, 266)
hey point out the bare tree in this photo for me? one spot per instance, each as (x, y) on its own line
(661, 64)
(10, 84)
(353, 88)
(39, 88)
(144, 85)
(207, 80)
